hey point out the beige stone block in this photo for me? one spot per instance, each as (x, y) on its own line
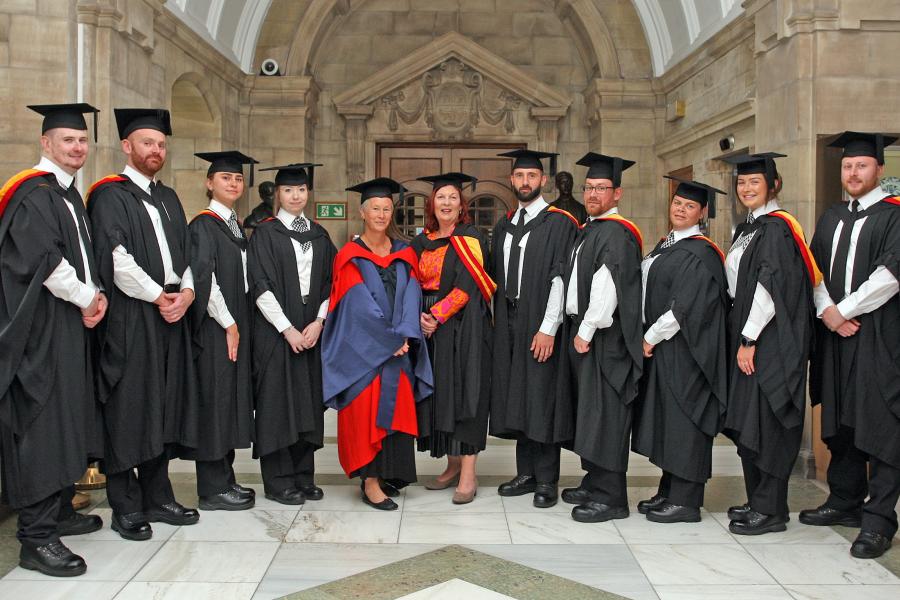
(4, 27)
(4, 54)
(181, 150)
(349, 49)
(53, 8)
(554, 51)
(634, 63)
(20, 7)
(483, 6)
(435, 5)
(478, 24)
(520, 6)
(367, 22)
(445, 21)
(392, 5)
(51, 52)
(537, 24)
(389, 49)
(518, 51)
(414, 22)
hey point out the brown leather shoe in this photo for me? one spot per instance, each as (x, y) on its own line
(437, 484)
(465, 497)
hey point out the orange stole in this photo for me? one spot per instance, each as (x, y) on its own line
(711, 243)
(629, 226)
(9, 188)
(893, 200)
(469, 252)
(815, 275)
(552, 208)
(103, 181)
(208, 213)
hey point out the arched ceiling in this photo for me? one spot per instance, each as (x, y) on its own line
(673, 28)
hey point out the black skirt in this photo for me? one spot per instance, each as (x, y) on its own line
(396, 462)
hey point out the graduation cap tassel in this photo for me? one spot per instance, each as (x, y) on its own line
(553, 166)
(251, 174)
(96, 112)
(310, 173)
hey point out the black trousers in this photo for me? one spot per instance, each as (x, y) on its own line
(288, 468)
(606, 487)
(130, 493)
(215, 476)
(848, 485)
(681, 491)
(538, 460)
(766, 493)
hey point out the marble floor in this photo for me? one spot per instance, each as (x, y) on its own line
(274, 550)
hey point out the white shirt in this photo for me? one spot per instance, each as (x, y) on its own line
(666, 325)
(603, 299)
(554, 312)
(875, 291)
(63, 282)
(127, 274)
(217, 308)
(267, 303)
(762, 310)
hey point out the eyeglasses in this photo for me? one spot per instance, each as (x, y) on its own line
(600, 189)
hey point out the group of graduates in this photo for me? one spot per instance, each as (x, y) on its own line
(132, 337)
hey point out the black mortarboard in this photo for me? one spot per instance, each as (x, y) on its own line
(457, 180)
(763, 162)
(601, 166)
(856, 143)
(65, 115)
(295, 174)
(129, 120)
(698, 192)
(531, 159)
(228, 161)
(380, 187)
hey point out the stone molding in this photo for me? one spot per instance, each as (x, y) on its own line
(727, 118)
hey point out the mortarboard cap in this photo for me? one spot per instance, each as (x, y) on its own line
(457, 180)
(65, 115)
(295, 174)
(229, 161)
(857, 143)
(601, 166)
(698, 192)
(129, 120)
(531, 159)
(763, 162)
(380, 187)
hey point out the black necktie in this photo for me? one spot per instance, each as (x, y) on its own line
(175, 250)
(838, 280)
(512, 270)
(74, 198)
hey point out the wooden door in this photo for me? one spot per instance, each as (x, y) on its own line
(491, 197)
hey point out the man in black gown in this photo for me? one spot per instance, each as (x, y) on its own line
(147, 380)
(530, 247)
(49, 421)
(855, 367)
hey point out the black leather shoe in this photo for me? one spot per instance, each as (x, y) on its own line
(290, 496)
(755, 523)
(312, 491)
(386, 504)
(826, 516)
(869, 544)
(244, 492)
(132, 526)
(739, 513)
(673, 513)
(545, 495)
(386, 488)
(228, 500)
(576, 495)
(79, 525)
(53, 559)
(597, 512)
(654, 502)
(517, 486)
(173, 514)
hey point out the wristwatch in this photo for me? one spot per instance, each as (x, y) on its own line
(747, 342)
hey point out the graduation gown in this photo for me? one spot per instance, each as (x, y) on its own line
(609, 372)
(766, 410)
(857, 379)
(524, 402)
(224, 387)
(462, 344)
(49, 418)
(147, 383)
(287, 385)
(683, 391)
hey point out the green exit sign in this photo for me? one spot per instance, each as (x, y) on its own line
(331, 210)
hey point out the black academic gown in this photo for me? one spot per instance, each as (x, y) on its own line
(524, 403)
(49, 417)
(609, 372)
(684, 386)
(766, 410)
(461, 354)
(147, 383)
(225, 389)
(287, 385)
(857, 379)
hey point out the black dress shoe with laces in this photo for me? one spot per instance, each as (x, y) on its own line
(386, 504)
(826, 516)
(673, 513)
(245, 492)
(597, 512)
(545, 495)
(312, 491)
(869, 544)
(738, 513)
(290, 496)
(576, 495)
(755, 523)
(517, 486)
(230, 499)
(654, 502)
(79, 524)
(133, 526)
(53, 559)
(173, 514)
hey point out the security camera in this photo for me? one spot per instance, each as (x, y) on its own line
(269, 68)
(726, 143)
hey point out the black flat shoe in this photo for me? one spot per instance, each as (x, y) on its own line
(825, 516)
(53, 559)
(673, 513)
(79, 525)
(597, 512)
(290, 496)
(244, 492)
(655, 502)
(869, 544)
(545, 495)
(132, 526)
(386, 504)
(386, 488)
(739, 513)
(754, 523)
(312, 491)
(576, 495)
(173, 514)
(228, 500)
(517, 486)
